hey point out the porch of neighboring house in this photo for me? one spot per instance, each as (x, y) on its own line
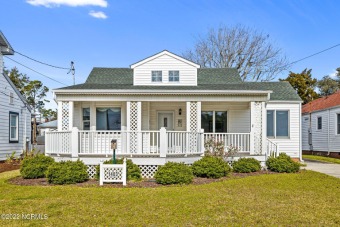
(152, 133)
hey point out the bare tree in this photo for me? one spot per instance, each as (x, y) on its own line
(239, 47)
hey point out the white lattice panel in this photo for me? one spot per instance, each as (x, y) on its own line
(148, 171)
(92, 171)
(133, 126)
(258, 127)
(65, 115)
(112, 173)
(193, 140)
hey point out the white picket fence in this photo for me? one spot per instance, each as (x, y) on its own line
(113, 173)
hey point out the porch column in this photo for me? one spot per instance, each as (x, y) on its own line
(134, 126)
(193, 123)
(258, 127)
(65, 115)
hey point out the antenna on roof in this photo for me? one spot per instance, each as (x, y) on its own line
(73, 71)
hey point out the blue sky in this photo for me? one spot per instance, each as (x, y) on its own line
(105, 33)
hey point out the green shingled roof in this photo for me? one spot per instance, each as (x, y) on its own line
(208, 79)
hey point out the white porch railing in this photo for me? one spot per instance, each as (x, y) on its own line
(58, 142)
(272, 148)
(98, 142)
(180, 142)
(240, 140)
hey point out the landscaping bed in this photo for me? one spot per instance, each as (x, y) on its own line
(9, 166)
(145, 183)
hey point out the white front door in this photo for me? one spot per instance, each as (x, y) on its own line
(166, 120)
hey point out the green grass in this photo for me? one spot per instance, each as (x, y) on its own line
(321, 158)
(303, 199)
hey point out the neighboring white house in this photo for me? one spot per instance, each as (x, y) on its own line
(321, 126)
(164, 108)
(15, 114)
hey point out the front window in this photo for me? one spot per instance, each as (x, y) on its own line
(214, 121)
(13, 127)
(86, 118)
(156, 76)
(338, 116)
(174, 76)
(108, 118)
(277, 123)
(319, 123)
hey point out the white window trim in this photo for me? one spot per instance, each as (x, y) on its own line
(274, 119)
(169, 76)
(336, 124)
(161, 76)
(16, 139)
(317, 123)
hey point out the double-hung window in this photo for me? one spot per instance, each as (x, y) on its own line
(156, 76)
(108, 118)
(214, 121)
(319, 123)
(173, 76)
(338, 123)
(278, 123)
(13, 127)
(86, 118)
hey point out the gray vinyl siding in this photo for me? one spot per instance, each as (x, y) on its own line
(326, 139)
(305, 127)
(6, 148)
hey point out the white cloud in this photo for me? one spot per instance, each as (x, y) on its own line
(73, 3)
(333, 74)
(97, 14)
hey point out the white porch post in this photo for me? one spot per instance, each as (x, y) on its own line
(193, 124)
(70, 114)
(258, 128)
(163, 142)
(134, 127)
(264, 128)
(74, 143)
(60, 116)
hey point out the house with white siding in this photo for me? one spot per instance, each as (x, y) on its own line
(321, 126)
(15, 113)
(164, 108)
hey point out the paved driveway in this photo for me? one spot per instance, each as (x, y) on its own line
(322, 167)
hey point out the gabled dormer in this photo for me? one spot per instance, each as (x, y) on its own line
(165, 69)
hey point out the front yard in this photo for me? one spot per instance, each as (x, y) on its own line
(305, 198)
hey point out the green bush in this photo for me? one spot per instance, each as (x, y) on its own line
(35, 167)
(282, 164)
(246, 165)
(133, 171)
(67, 172)
(174, 173)
(211, 167)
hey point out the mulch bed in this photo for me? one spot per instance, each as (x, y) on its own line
(9, 166)
(146, 183)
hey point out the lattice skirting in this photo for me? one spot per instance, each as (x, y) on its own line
(148, 171)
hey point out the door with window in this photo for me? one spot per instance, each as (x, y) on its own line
(166, 120)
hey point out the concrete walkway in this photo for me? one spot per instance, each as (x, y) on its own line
(322, 167)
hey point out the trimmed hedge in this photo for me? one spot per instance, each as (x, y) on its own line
(246, 165)
(35, 167)
(67, 172)
(282, 164)
(211, 167)
(133, 171)
(174, 173)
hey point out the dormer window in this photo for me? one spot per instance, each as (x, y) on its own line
(174, 76)
(156, 76)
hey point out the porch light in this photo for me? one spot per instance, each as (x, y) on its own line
(180, 111)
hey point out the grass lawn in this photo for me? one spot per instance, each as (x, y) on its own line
(321, 158)
(307, 198)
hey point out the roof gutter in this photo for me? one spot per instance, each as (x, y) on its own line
(94, 91)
